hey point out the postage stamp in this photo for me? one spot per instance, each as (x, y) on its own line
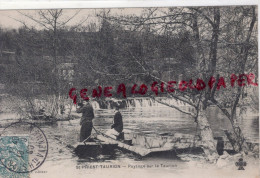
(14, 155)
(23, 148)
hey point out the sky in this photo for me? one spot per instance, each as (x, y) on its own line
(12, 19)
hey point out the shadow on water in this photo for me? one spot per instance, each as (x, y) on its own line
(255, 123)
(95, 151)
(104, 156)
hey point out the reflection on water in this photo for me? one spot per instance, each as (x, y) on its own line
(247, 122)
(149, 120)
(155, 120)
(167, 120)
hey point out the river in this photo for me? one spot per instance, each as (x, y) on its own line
(149, 120)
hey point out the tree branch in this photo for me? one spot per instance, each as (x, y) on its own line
(172, 106)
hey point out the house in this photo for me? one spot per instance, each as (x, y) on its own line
(66, 71)
(66, 66)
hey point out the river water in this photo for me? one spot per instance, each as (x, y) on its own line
(149, 120)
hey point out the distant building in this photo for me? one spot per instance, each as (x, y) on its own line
(65, 66)
(66, 71)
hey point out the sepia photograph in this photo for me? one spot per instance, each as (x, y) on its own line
(129, 92)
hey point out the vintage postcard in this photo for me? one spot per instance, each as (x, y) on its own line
(129, 92)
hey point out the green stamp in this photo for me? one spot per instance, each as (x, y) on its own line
(14, 156)
(23, 149)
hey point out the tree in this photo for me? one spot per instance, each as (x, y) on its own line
(46, 42)
(209, 26)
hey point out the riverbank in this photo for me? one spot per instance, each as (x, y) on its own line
(153, 120)
(61, 157)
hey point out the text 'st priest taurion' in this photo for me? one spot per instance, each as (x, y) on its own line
(170, 86)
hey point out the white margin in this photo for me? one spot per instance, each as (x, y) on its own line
(41, 4)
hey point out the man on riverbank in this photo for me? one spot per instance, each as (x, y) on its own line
(117, 127)
(86, 120)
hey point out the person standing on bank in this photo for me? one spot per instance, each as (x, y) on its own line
(86, 120)
(117, 127)
(118, 122)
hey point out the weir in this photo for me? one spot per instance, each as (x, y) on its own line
(136, 103)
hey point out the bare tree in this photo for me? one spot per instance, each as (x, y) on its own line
(207, 25)
(52, 22)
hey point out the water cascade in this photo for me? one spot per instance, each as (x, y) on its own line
(135, 103)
